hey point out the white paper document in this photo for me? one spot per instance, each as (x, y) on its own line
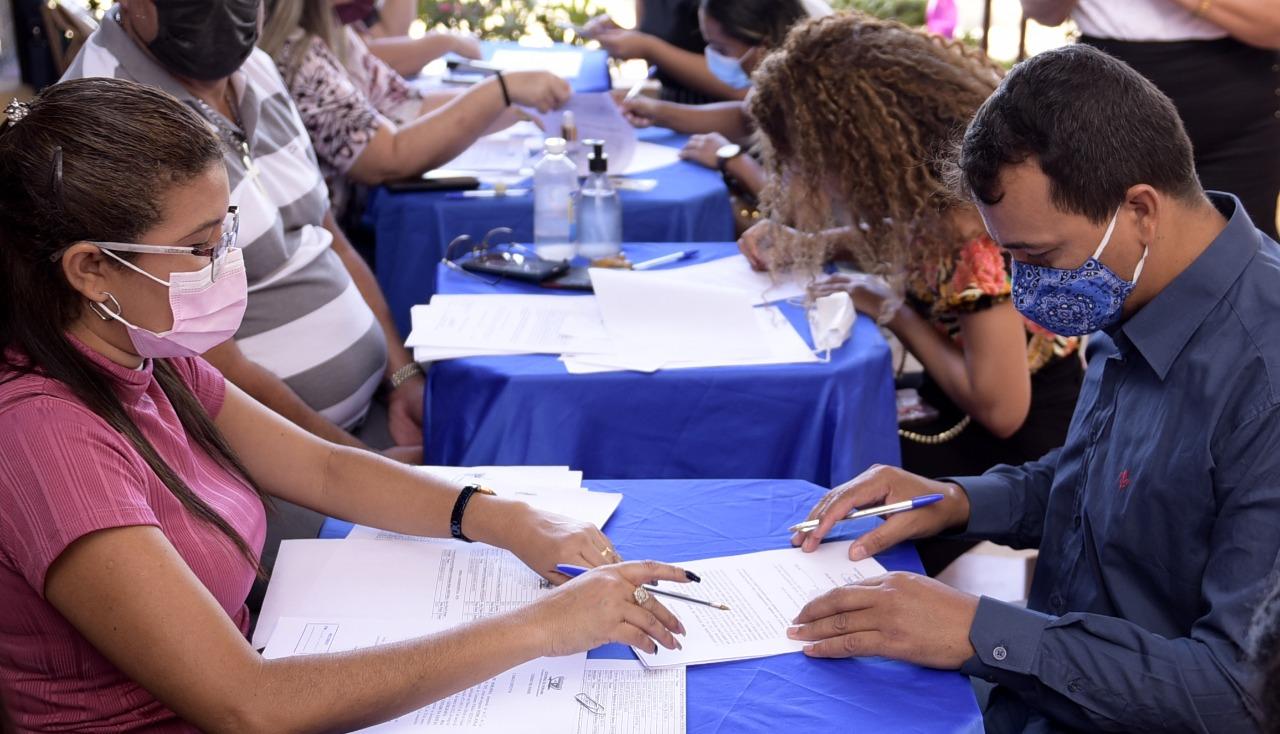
(633, 699)
(655, 323)
(535, 697)
(492, 153)
(564, 64)
(501, 324)
(597, 117)
(784, 345)
(735, 272)
(445, 583)
(648, 157)
(764, 591)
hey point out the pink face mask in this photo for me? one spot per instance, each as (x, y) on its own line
(206, 310)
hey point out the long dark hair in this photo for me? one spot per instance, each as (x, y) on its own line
(756, 22)
(91, 160)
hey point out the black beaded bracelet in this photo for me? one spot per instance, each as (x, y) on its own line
(460, 506)
(506, 96)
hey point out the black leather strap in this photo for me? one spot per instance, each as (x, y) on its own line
(460, 507)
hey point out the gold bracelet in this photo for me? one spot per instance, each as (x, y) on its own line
(1204, 8)
(402, 375)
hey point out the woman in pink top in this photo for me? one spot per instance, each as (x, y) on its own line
(133, 476)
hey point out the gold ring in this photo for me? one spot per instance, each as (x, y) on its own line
(641, 596)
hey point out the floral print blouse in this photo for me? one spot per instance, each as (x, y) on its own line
(976, 279)
(343, 104)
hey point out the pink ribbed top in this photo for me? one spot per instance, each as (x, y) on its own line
(64, 473)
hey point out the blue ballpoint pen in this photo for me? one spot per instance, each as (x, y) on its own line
(912, 504)
(575, 571)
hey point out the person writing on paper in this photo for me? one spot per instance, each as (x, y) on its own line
(134, 477)
(1156, 520)
(367, 124)
(1004, 387)
(667, 34)
(739, 33)
(384, 28)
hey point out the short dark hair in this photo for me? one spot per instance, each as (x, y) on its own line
(1094, 125)
(756, 22)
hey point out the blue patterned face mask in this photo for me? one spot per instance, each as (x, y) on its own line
(1074, 302)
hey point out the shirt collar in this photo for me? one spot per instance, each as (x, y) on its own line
(1162, 328)
(130, 384)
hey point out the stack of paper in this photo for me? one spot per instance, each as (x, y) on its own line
(455, 326)
(735, 273)
(640, 321)
(663, 323)
(555, 489)
(596, 116)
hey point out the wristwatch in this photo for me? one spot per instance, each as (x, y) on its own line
(726, 153)
(403, 375)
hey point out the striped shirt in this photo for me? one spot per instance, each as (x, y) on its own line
(65, 474)
(306, 321)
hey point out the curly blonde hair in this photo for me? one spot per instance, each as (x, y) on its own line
(865, 110)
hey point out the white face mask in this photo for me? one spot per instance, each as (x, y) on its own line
(830, 321)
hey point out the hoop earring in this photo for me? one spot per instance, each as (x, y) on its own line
(100, 309)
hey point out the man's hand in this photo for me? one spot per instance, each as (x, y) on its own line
(881, 485)
(902, 616)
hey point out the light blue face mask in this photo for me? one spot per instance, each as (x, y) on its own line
(1078, 301)
(727, 69)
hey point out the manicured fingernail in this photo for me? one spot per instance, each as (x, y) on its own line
(693, 577)
(679, 646)
(808, 649)
(793, 631)
(857, 553)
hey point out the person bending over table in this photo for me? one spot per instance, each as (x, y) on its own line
(1156, 520)
(854, 154)
(366, 123)
(668, 37)
(385, 31)
(134, 477)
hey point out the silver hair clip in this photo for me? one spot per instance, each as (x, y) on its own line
(16, 110)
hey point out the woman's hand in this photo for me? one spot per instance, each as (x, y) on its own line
(599, 607)
(871, 295)
(600, 24)
(702, 149)
(404, 411)
(643, 111)
(883, 485)
(541, 90)
(542, 540)
(755, 242)
(622, 44)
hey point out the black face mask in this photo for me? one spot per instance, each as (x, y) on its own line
(205, 39)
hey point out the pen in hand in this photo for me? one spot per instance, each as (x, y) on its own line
(914, 503)
(575, 571)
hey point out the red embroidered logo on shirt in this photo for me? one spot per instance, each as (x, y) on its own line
(1124, 480)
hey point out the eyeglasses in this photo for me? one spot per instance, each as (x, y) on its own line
(215, 249)
(503, 254)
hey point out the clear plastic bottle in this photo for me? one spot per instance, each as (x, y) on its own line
(555, 179)
(599, 209)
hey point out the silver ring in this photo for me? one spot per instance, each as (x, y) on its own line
(641, 595)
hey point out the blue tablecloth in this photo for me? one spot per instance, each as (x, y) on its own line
(678, 521)
(689, 204)
(820, 422)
